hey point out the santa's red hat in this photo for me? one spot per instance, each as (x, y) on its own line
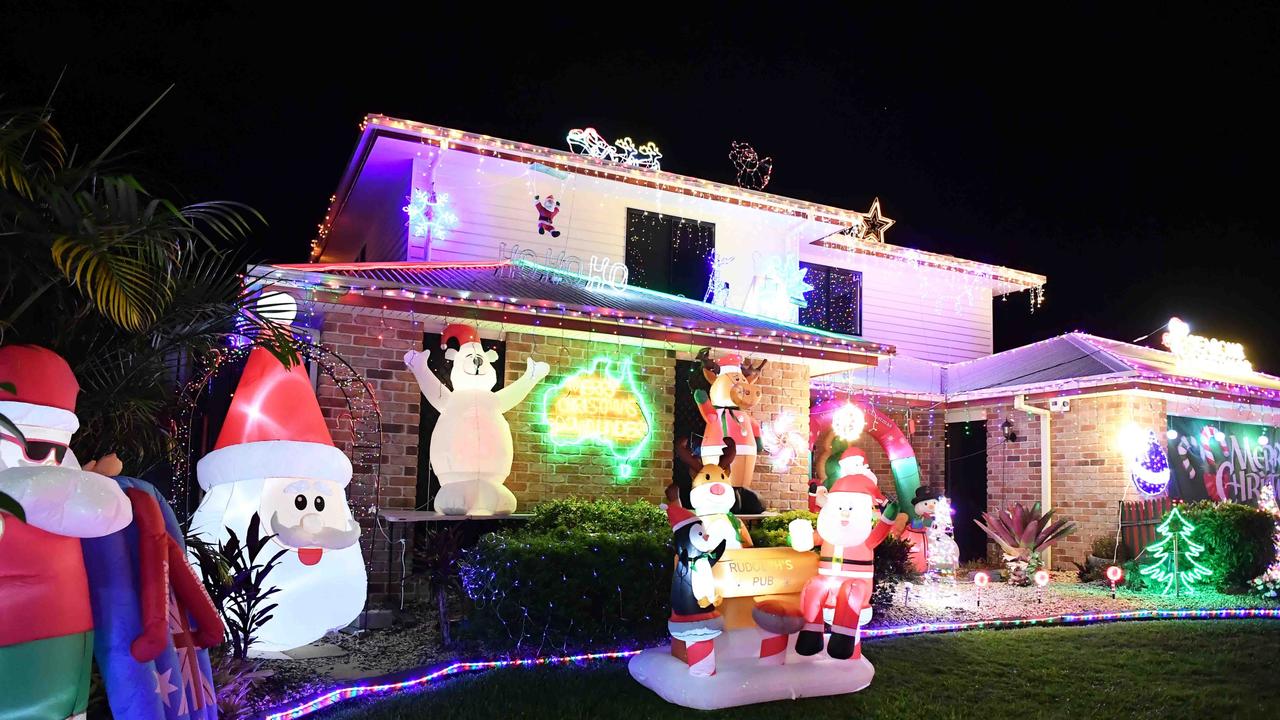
(730, 363)
(856, 476)
(463, 333)
(273, 429)
(679, 517)
(45, 389)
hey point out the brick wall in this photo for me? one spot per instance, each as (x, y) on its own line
(374, 345)
(541, 472)
(1089, 473)
(786, 389)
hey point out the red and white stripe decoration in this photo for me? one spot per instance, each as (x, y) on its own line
(702, 658)
(773, 648)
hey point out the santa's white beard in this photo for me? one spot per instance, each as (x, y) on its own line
(313, 599)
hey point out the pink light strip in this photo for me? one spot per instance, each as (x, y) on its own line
(336, 696)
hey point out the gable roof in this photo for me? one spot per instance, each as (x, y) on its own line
(390, 140)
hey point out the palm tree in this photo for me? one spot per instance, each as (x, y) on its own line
(128, 287)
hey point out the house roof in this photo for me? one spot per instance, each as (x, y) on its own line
(519, 292)
(1076, 361)
(1070, 364)
(378, 128)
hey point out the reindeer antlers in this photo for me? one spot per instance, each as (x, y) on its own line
(704, 357)
(748, 371)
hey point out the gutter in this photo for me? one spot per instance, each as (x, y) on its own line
(1046, 473)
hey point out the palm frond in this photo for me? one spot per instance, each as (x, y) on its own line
(31, 150)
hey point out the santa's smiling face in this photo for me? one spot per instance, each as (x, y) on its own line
(845, 518)
(308, 516)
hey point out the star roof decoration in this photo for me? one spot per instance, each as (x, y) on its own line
(874, 225)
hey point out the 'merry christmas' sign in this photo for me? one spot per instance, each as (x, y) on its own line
(1215, 460)
(600, 404)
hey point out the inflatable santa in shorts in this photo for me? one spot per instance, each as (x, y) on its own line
(848, 532)
(275, 457)
(46, 621)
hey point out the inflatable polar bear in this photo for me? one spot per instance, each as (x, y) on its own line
(471, 444)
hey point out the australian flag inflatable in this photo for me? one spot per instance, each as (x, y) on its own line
(152, 616)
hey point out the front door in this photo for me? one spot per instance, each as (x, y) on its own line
(967, 485)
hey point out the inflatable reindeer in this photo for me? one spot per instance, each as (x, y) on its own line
(726, 407)
(713, 497)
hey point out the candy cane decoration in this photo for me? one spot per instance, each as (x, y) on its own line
(702, 658)
(1212, 483)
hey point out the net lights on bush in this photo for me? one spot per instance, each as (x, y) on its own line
(336, 696)
(429, 214)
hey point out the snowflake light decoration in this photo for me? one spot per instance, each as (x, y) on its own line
(428, 218)
(783, 443)
(786, 275)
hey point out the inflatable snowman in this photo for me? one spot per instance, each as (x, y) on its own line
(275, 457)
(471, 444)
(46, 620)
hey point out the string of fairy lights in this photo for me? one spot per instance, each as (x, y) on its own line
(429, 678)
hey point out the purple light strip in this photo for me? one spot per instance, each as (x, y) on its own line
(336, 696)
(341, 694)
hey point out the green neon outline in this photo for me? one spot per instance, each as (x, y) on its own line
(857, 339)
(1176, 582)
(626, 377)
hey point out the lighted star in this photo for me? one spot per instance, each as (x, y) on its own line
(874, 225)
(163, 686)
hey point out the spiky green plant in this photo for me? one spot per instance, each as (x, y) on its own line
(1022, 534)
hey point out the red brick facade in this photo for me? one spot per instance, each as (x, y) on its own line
(1090, 475)
(374, 343)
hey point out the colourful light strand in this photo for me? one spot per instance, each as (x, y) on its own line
(336, 696)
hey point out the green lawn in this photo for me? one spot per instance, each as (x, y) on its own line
(1165, 670)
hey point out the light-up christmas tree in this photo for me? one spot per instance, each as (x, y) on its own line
(1175, 563)
(1269, 582)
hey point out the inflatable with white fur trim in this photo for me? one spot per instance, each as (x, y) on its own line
(275, 458)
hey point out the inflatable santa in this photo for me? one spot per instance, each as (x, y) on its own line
(846, 561)
(46, 622)
(471, 445)
(275, 458)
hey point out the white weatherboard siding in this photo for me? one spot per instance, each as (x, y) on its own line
(926, 313)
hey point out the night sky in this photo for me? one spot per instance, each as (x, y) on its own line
(1132, 159)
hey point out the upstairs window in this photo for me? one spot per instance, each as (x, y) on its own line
(835, 302)
(669, 253)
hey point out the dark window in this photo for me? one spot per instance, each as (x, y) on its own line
(835, 302)
(669, 253)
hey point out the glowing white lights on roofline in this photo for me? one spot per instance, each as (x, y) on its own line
(1197, 351)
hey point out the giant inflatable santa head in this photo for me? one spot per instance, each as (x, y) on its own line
(275, 458)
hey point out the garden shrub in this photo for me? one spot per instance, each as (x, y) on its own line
(1238, 542)
(772, 531)
(574, 515)
(580, 573)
